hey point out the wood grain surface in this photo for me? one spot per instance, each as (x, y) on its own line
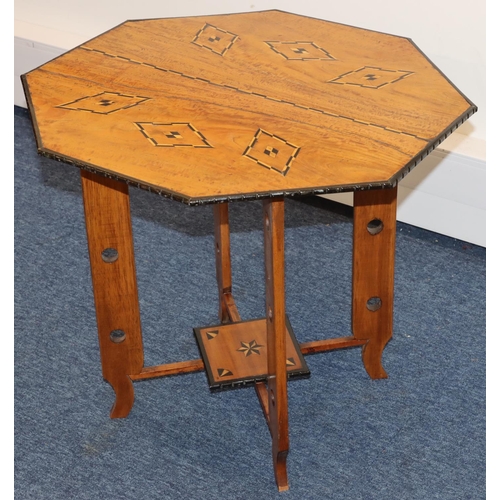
(373, 261)
(236, 354)
(215, 108)
(107, 216)
(274, 258)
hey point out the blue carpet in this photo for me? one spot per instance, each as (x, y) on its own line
(420, 434)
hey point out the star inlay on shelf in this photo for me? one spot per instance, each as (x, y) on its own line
(250, 348)
(235, 354)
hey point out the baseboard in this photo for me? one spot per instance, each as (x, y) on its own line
(446, 193)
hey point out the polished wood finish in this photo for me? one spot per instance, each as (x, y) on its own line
(237, 106)
(373, 273)
(278, 343)
(236, 354)
(257, 105)
(230, 306)
(317, 346)
(274, 250)
(107, 216)
(169, 369)
(227, 306)
(223, 264)
(263, 396)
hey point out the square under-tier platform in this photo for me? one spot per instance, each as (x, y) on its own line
(235, 354)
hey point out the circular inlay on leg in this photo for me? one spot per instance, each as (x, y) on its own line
(117, 336)
(373, 303)
(375, 226)
(109, 255)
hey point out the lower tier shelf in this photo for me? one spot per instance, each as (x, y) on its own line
(235, 354)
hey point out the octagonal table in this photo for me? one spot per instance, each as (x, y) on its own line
(249, 106)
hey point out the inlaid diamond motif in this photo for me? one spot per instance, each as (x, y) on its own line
(300, 51)
(271, 151)
(371, 77)
(171, 135)
(104, 103)
(214, 39)
(306, 82)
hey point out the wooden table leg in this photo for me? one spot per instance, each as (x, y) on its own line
(374, 241)
(227, 308)
(228, 312)
(111, 253)
(274, 248)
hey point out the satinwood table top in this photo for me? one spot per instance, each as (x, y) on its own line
(242, 106)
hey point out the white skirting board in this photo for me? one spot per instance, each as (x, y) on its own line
(446, 193)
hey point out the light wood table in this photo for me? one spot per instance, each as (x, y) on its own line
(215, 109)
